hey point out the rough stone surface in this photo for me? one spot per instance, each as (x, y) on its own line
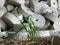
(10, 19)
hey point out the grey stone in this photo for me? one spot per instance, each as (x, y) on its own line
(2, 11)
(3, 25)
(24, 10)
(16, 2)
(10, 7)
(10, 19)
(2, 2)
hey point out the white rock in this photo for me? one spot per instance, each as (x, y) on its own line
(52, 14)
(2, 2)
(21, 2)
(3, 25)
(58, 3)
(56, 26)
(10, 7)
(24, 10)
(32, 3)
(39, 20)
(58, 9)
(3, 34)
(20, 17)
(27, 2)
(54, 3)
(52, 11)
(55, 33)
(34, 0)
(2, 11)
(52, 18)
(52, 32)
(11, 20)
(47, 24)
(38, 7)
(21, 36)
(43, 33)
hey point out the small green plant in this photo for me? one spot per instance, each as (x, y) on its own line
(32, 32)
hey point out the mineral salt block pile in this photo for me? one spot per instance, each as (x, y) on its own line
(45, 16)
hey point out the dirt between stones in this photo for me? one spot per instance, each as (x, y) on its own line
(38, 41)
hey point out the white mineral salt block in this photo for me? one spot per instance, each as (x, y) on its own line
(20, 17)
(32, 3)
(55, 33)
(58, 6)
(56, 26)
(54, 3)
(3, 34)
(58, 2)
(52, 18)
(58, 9)
(43, 33)
(38, 7)
(10, 19)
(52, 32)
(27, 2)
(34, 0)
(21, 36)
(2, 11)
(10, 7)
(3, 25)
(21, 2)
(52, 11)
(24, 10)
(2, 2)
(38, 20)
(47, 24)
(52, 14)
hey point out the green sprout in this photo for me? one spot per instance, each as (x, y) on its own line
(32, 32)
